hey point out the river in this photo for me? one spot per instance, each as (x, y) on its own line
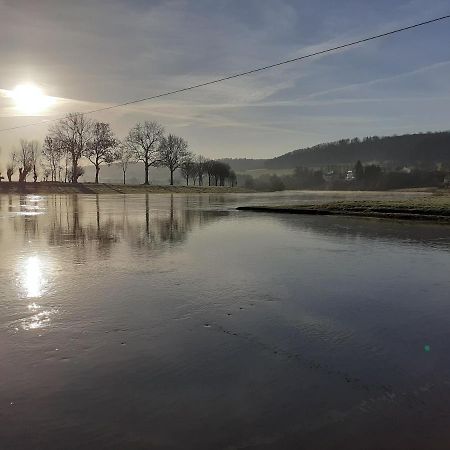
(177, 322)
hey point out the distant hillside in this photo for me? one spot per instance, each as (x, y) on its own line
(243, 164)
(409, 149)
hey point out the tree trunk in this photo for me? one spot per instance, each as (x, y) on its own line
(124, 177)
(147, 215)
(97, 170)
(147, 168)
(74, 170)
(171, 176)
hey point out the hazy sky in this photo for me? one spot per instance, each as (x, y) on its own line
(95, 53)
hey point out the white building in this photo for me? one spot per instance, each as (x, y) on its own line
(350, 176)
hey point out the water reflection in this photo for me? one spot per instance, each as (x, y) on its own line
(353, 228)
(153, 222)
(33, 279)
(99, 223)
(33, 272)
(77, 229)
(261, 327)
(40, 318)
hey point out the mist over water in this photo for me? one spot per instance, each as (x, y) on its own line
(175, 321)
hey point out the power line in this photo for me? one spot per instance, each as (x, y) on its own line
(241, 74)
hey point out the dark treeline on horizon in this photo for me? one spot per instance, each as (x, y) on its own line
(376, 177)
(359, 177)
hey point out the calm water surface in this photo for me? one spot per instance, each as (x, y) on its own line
(176, 322)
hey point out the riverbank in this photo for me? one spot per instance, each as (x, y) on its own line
(46, 188)
(433, 208)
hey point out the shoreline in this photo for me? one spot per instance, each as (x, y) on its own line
(57, 187)
(54, 187)
(434, 208)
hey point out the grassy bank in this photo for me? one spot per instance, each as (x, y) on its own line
(433, 208)
(44, 188)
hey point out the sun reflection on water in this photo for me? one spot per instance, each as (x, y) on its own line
(33, 278)
(39, 320)
(33, 282)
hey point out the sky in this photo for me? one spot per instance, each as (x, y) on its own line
(94, 53)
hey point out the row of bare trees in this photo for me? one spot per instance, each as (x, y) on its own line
(68, 140)
(25, 158)
(76, 137)
(217, 172)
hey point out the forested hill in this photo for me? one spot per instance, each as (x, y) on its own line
(412, 149)
(242, 164)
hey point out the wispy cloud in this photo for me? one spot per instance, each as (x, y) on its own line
(382, 80)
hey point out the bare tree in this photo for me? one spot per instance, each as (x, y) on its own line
(232, 178)
(200, 165)
(46, 172)
(27, 159)
(143, 140)
(34, 150)
(101, 148)
(173, 151)
(75, 175)
(188, 169)
(12, 165)
(52, 151)
(209, 169)
(73, 133)
(124, 156)
(219, 171)
(66, 167)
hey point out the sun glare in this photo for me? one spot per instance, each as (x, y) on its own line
(33, 278)
(30, 99)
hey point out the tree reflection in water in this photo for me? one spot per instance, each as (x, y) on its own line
(100, 222)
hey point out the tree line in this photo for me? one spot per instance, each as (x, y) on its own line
(76, 136)
(352, 177)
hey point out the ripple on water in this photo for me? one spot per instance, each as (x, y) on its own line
(41, 318)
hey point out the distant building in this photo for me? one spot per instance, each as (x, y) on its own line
(350, 176)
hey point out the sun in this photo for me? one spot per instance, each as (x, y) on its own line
(30, 99)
